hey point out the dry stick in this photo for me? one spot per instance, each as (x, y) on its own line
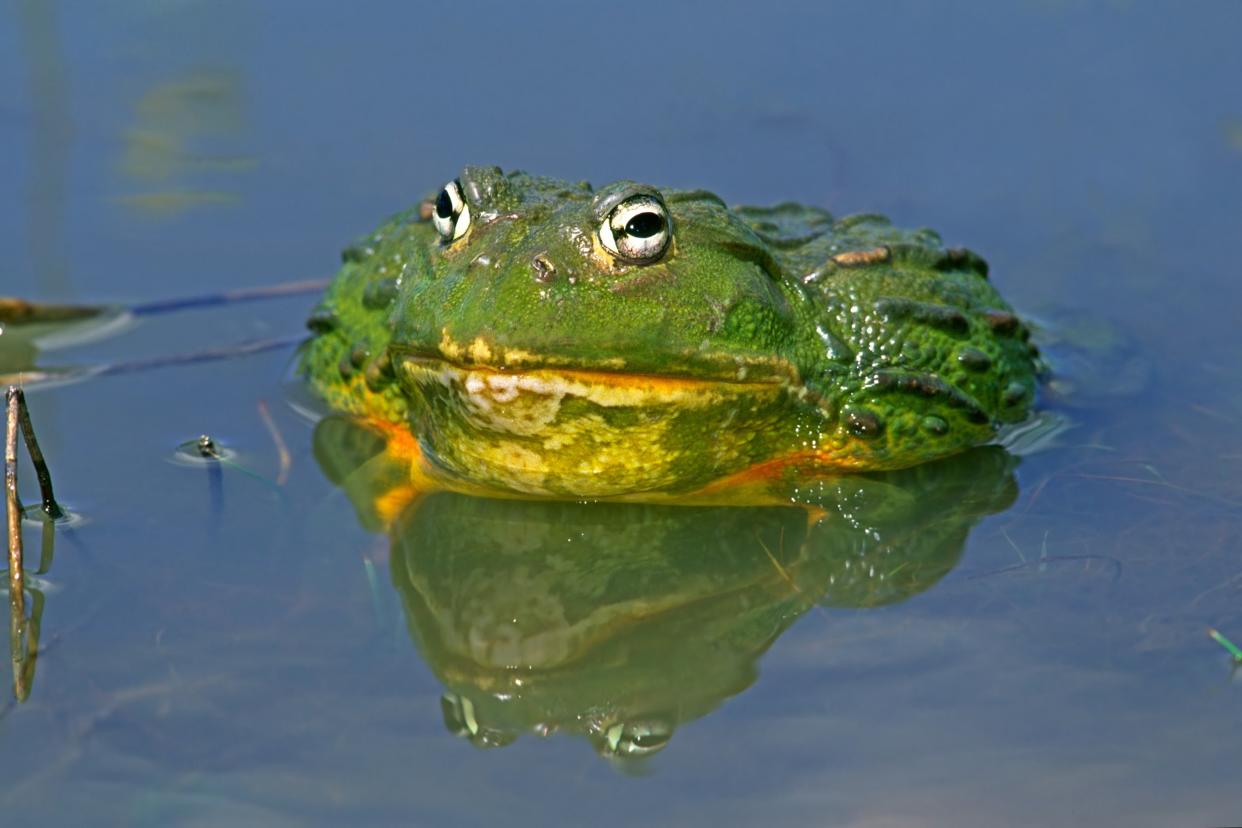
(231, 297)
(16, 310)
(50, 507)
(17, 585)
(23, 653)
(242, 349)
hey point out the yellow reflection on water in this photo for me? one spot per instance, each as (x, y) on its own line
(171, 143)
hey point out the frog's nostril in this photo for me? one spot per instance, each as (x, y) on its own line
(544, 269)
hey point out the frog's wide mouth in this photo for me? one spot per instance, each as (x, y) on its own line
(529, 373)
(585, 432)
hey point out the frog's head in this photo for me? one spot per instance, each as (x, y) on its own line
(555, 337)
(527, 272)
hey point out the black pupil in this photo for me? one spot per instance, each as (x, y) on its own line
(444, 205)
(644, 225)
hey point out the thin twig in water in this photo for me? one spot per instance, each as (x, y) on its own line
(1015, 547)
(23, 632)
(17, 579)
(231, 297)
(780, 570)
(16, 310)
(257, 346)
(50, 507)
(282, 451)
(208, 355)
(17, 586)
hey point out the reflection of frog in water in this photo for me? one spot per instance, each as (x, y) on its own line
(529, 336)
(621, 622)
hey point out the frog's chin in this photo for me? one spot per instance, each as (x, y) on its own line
(586, 433)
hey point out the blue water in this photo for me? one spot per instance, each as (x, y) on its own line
(227, 644)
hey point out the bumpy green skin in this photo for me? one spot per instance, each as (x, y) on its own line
(889, 349)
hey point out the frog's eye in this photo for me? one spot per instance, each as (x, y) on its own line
(637, 230)
(452, 213)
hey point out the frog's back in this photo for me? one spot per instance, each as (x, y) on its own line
(924, 357)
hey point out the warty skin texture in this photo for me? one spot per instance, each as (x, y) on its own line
(525, 355)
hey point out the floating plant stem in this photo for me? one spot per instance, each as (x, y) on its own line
(17, 312)
(1233, 649)
(241, 349)
(231, 297)
(14, 310)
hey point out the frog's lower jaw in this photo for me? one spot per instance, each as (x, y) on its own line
(568, 433)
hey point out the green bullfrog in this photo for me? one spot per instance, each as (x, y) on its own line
(526, 336)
